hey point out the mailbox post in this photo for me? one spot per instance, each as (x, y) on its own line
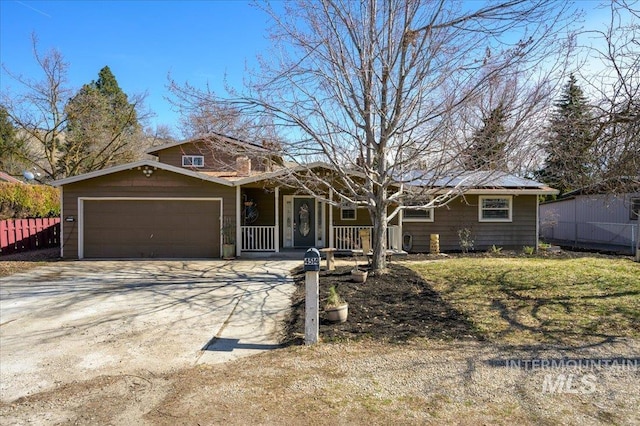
(311, 300)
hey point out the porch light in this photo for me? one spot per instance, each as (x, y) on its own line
(148, 171)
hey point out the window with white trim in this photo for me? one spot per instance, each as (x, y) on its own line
(192, 161)
(348, 213)
(495, 208)
(634, 212)
(417, 215)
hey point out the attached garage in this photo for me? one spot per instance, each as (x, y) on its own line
(150, 228)
(145, 210)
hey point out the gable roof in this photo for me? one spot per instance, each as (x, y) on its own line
(477, 182)
(140, 164)
(292, 168)
(210, 137)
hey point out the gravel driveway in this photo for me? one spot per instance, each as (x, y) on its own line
(77, 320)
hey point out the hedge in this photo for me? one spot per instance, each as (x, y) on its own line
(21, 201)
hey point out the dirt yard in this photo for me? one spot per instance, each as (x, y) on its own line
(407, 355)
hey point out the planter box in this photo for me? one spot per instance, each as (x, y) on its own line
(359, 275)
(338, 314)
(228, 251)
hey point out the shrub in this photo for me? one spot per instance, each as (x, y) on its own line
(495, 250)
(528, 250)
(21, 201)
(466, 242)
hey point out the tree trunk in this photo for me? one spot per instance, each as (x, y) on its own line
(379, 243)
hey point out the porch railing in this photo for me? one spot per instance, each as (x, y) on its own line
(348, 237)
(258, 238)
(394, 238)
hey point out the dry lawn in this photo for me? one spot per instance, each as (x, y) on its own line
(532, 301)
(581, 310)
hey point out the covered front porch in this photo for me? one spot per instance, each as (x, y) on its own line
(273, 219)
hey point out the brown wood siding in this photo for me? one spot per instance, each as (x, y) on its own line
(362, 218)
(448, 220)
(151, 229)
(214, 160)
(132, 183)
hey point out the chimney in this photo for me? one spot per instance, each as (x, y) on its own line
(243, 166)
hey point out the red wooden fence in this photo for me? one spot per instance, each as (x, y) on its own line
(29, 234)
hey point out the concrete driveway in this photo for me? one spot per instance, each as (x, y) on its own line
(77, 320)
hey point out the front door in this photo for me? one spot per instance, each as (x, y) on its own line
(304, 216)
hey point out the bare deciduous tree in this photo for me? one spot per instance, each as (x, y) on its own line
(379, 89)
(63, 132)
(38, 111)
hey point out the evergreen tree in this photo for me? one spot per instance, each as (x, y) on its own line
(569, 163)
(487, 149)
(9, 143)
(102, 127)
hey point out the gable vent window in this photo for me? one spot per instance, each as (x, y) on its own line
(348, 213)
(192, 161)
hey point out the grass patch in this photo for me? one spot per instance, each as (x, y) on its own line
(534, 300)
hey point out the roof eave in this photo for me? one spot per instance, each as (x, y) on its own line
(281, 172)
(136, 164)
(501, 191)
(203, 138)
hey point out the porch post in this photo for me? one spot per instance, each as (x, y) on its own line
(537, 221)
(398, 239)
(277, 230)
(331, 218)
(238, 223)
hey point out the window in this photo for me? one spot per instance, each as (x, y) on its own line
(192, 161)
(634, 212)
(348, 213)
(417, 215)
(495, 208)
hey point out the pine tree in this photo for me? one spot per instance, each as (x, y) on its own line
(9, 143)
(569, 163)
(123, 114)
(102, 127)
(487, 149)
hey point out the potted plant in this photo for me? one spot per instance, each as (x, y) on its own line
(336, 308)
(358, 275)
(228, 239)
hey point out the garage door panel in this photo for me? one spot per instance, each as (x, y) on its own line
(151, 228)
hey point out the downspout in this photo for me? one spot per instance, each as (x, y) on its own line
(61, 236)
(637, 241)
(238, 224)
(331, 218)
(537, 221)
(277, 211)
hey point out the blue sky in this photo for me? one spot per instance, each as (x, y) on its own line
(143, 41)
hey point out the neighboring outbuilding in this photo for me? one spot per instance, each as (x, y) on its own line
(217, 190)
(590, 219)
